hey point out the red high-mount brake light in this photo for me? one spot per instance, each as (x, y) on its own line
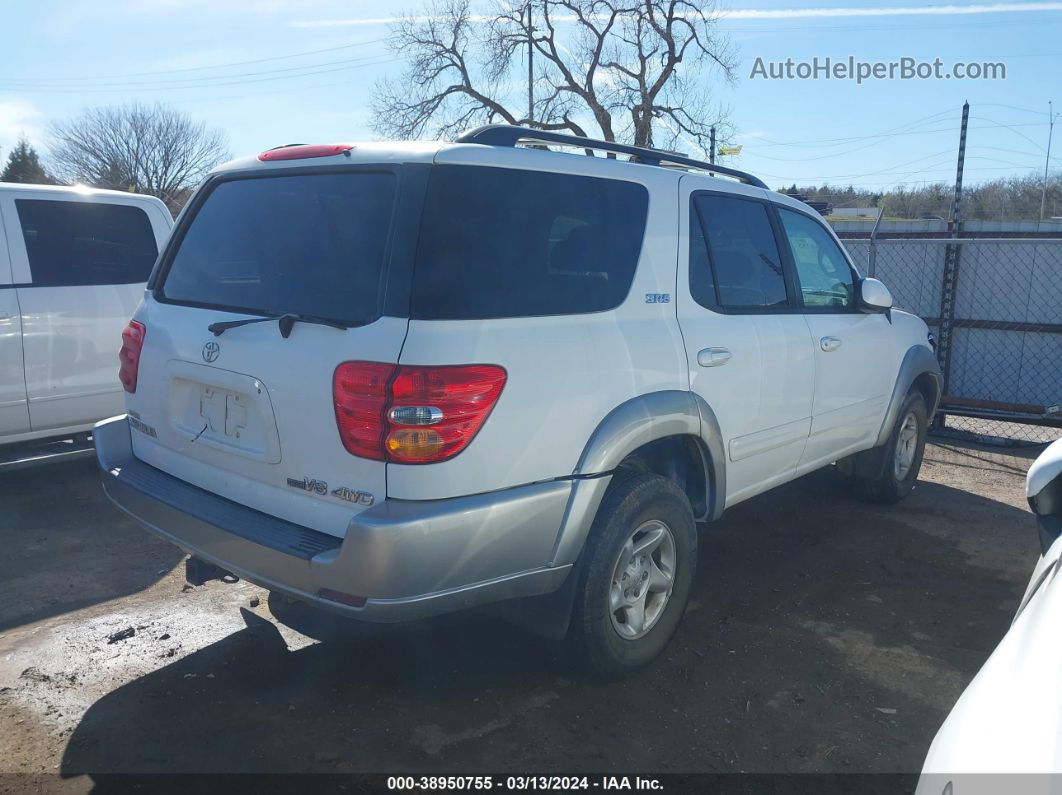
(129, 355)
(300, 151)
(413, 414)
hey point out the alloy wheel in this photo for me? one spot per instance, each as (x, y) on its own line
(642, 579)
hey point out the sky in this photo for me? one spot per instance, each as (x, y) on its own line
(270, 72)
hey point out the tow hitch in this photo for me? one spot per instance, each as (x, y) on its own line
(198, 572)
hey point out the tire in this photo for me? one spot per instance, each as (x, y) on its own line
(655, 514)
(902, 454)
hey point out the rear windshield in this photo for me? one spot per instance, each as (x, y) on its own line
(498, 242)
(312, 244)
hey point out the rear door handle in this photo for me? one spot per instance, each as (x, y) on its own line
(713, 357)
(830, 343)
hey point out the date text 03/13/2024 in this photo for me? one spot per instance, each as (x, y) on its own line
(521, 783)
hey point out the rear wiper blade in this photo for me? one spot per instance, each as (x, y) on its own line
(286, 322)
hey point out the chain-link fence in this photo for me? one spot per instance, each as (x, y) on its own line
(994, 306)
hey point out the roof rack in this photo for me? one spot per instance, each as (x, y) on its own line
(511, 135)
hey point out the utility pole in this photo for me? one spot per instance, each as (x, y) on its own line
(711, 145)
(952, 257)
(530, 69)
(1047, 160)
(956, 205)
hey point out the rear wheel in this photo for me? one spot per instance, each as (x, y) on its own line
(636, 575)
(902, 454)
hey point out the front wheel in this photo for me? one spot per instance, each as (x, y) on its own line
(635, 579)
(902, 454)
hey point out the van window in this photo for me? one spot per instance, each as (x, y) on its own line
(311, 244)
(498, 242)
(742, 251)
(85, 243)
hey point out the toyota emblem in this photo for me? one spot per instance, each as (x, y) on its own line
(211, 351)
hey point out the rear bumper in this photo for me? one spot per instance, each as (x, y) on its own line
(406, 560)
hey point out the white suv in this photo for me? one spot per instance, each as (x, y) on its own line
(402, 379)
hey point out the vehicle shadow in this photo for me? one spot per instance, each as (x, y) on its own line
(249, 704)
(65, 546)
(811, 613)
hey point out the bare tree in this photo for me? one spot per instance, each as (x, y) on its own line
(151, 149)
(637, 70)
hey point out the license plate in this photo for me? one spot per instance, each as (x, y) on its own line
(223, 412)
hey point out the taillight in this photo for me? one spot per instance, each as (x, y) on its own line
(436, 411)
(129, 355)
(413, 414)
(360, 392)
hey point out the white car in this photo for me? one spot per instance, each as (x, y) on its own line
(1009, 720)
(73, 263)
(400, 379)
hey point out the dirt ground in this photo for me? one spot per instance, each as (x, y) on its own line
(824, 635)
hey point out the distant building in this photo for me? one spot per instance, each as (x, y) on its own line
(855, 212)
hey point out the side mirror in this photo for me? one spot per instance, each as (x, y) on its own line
(1043, 487)
(874, 296)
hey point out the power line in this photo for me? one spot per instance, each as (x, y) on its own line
(818, 142)
(814, 143)
(892, 169)
(942, 167)
(1009, 151)
(271, 92)
(1012, 107)
(202, 68)
(362, 63)
(999, 160)
(151, 84)
(828, 156)
(1012, 127)
(898, 165)
(882, 136)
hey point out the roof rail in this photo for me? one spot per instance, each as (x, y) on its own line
(511, 135)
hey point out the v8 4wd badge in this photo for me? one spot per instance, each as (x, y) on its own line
(315, 486)
(309, 484)
(350, 495)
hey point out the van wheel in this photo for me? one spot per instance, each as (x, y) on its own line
(902, 453)
(636, 574)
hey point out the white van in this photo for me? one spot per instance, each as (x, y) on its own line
(73, 263)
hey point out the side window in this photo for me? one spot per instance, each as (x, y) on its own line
(498, 242)
(742, 251)
(85, 243)
(702, 281)
(825, 278)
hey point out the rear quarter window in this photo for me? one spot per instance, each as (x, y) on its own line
(85, 243)
(498, 243)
